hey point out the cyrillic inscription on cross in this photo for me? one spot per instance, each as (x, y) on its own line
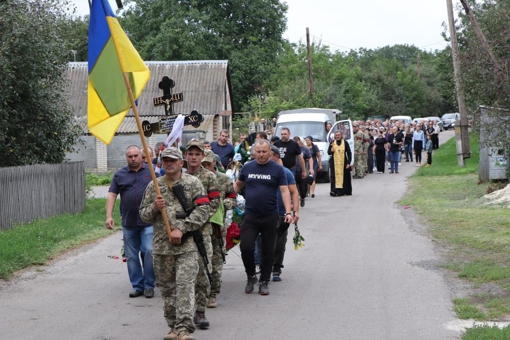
(168, 98)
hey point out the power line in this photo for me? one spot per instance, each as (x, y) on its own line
(432, 44)
(350, 48)
(331, 43)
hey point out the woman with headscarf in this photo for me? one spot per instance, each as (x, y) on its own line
(317, 161)
(340, 166)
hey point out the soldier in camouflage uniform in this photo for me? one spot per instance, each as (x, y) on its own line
(227, 202)
(358, 151)
(175, 261)
(366, 144)
(194, 155)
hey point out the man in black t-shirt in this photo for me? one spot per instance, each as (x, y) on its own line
(290, 152)
(261, 179)
(394, 146)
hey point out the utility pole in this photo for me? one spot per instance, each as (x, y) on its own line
(461, 132)
(418, 65)
(310, 72)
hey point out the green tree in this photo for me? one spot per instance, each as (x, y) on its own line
(34, 115)
(76, 37)
(483, 83)
(360, 83)
(247, 33)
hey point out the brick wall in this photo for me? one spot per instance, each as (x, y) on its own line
(100, 158)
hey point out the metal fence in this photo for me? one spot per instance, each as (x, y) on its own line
(39, 191)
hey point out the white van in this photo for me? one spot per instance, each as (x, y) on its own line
(406, 119)
(309, 122)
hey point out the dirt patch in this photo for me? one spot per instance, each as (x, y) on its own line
(501, 196)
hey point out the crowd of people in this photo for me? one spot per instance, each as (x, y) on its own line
(380, 144)
(174, 227)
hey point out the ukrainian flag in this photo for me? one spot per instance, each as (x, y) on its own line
(110, 55)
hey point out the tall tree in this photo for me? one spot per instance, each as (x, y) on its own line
(247, 33)
(361, 83)
(35, 118)
(76, 37)
(483, 85)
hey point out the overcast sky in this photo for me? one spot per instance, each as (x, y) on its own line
(347, 24)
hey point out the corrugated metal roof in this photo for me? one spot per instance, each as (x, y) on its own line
(205, 85)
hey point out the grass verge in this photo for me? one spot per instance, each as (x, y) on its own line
(98, 179)
(39, 241)
(476, 236)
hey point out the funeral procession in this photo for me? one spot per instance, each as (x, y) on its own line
(265, 169)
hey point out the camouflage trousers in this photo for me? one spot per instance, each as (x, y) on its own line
(217, 265)
(202, 285)
(365, 162)
(176, 276)
(358, 165)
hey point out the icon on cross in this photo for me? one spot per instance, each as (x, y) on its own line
(168, 98)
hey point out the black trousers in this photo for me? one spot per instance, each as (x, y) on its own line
(279, 248)
(418, 148)
(429, 158)
(301, 184)
(380, 155)
(435, 141)
(251, 226)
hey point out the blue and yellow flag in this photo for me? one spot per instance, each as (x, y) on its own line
(110, 55)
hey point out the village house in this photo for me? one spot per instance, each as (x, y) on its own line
(205, 86)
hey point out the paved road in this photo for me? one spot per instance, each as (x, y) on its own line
(364, 273)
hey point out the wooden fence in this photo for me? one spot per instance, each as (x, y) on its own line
(39, 191)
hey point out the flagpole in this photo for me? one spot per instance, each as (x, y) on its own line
(146, 150)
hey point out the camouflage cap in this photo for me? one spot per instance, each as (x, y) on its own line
(194, 142)
(209, 156)
(171, 153)
(355, 124)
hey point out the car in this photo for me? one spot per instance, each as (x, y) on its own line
(406, 119)
(449, 119)
(420, 121)
(438, 122)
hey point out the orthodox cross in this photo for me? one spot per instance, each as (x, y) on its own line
(168, 98)
(166, 124)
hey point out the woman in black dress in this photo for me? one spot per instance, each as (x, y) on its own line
(380, 151)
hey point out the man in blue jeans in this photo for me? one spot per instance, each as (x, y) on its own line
(393, 146)
(130, 182)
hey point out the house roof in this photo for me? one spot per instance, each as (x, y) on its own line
(205, 85)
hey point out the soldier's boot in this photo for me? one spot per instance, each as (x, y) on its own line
(200, 320)
(212, 303)
(184, 335)
(172, 335)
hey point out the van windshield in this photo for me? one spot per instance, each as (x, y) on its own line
(449, 116)
(304, 129)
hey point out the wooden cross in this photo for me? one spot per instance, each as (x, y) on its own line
(168, 98)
